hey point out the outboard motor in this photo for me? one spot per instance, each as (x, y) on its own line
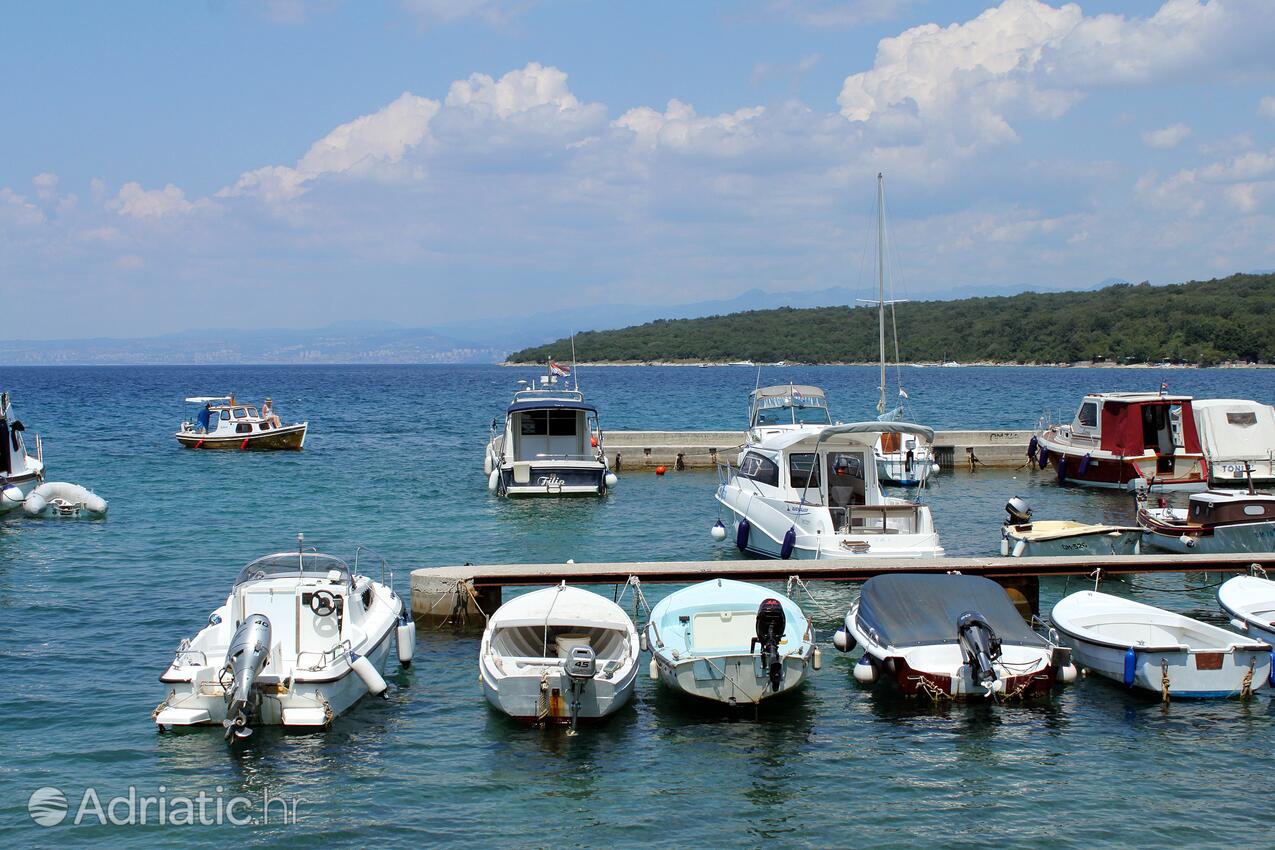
(1019, 511)
(979, 645)
(771, 623)
(248, 653)
(581, 667)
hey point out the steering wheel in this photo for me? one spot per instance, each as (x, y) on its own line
(322, 603)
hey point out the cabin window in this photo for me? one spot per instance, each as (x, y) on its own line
(562, 423)
(760, 469)
(1200, 510)
(803, 468)
(812, 415)
(225, 416)
(535, 423)
(240, 413)
(1254, 510)
(774, 416)
(1088, 415)
(252, 413)
(1246, 419)
(243, 428)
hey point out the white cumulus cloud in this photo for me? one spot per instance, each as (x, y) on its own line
(1166, 137)
(1266, 107)
(135, 202)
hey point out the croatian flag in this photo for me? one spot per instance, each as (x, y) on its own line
(560, 371)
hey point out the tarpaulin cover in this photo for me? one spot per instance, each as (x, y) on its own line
(913, 610)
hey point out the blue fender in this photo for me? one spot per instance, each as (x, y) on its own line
(790, 540)
(1061, 466)
(1084, 464)
(1130, 666)
(1032, 446)
(741, 534)
(1042, 460)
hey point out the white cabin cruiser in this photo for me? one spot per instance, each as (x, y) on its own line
(550, 445)
(816, 494)
(20, 472)
(1214, 522)
(1157, 650)
(300, 639)
(786, 407)
(1238, 438)
(558, 655)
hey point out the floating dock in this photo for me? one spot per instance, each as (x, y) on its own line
(465, 595)
(704, 449)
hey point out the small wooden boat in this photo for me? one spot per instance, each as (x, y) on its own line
(1157, 650)
(1212, 523)
(731, 642)
(949, 637)
(558, 655)
(223, 423)
(1250, 603)
(1021, 536)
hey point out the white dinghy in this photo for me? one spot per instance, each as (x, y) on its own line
(1250, 603)
(730, 641)
(1021, 536)
(1146, 647)
(300, 639)
(559, 655)
(62, 499)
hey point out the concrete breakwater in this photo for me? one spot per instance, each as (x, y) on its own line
(704, 449)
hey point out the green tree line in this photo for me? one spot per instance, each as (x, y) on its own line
(1204, 322)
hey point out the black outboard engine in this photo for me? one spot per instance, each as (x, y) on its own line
(771, 623)
(979, 645)
(1020, 513)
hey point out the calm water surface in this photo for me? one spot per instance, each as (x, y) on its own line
(93, 610)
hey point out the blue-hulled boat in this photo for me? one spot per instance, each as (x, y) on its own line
(731, 642)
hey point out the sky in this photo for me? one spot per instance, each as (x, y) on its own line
(292, 163)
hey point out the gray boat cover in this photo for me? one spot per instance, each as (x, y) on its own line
(917, 609)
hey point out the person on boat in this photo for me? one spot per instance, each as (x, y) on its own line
(201, 421)
(268, 414)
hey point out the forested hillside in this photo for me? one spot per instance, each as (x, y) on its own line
(1204, 322)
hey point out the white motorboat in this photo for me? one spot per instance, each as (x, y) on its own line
(1125, 440)
(1238, 438)
(786, 407)
(730, 641)
(1250, 603)
(558, 655)
(300, 639)
(901, 458)
(549, 445)
(1022, 536)
(1213, 523)
(816, 494)
(948, 637)
(1157, 650)
(20, 472)
(220, 422)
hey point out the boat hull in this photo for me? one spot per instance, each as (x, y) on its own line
(1091, 467)
(1250, 603)
(839, 547)
(25, 482)
(521, 696)
(287, 438)
(1256, 537)
(550, 479)
(1183, 668)
(1100, 542)
(957, 683)
(736, 679)
(306, 703)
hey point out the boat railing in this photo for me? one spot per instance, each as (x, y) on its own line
(564, 456)
(184, 652)
(325, 658)
(875, 519)
(386, 569)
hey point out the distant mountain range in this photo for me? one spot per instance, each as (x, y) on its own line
(485, 341)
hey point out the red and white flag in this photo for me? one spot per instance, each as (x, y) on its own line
(560, 371)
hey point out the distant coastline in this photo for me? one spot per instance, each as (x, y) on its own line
(1082, 364)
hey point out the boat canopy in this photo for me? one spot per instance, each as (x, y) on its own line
(561, 606)
(551, 404)
(209, 399)
(781, 395)
(857, 433)
(1235, 429)
(1133, 423)
(910, 609)
(311, 564)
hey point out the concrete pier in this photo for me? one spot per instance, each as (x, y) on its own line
(703, 449)
(464, 595)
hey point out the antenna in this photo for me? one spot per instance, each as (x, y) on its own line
(575, 373)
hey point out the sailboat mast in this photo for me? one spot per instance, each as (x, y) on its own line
(881, 281)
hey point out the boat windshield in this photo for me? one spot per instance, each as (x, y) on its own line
(793, 410)
(311, 564)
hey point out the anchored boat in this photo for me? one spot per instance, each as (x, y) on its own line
(1123, 439)
(1238, 438)
(558, 655)
(223, 423)
(730, 642)
(949, 637)
(816, 494)
(1021, 536)
(1250, 603)
(550, 444)
(1212, 523)
(787, 407)
(20, 472)
(300, 640)
(1157, 650)
(64, 500)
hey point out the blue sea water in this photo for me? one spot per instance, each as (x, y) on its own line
(93, 610)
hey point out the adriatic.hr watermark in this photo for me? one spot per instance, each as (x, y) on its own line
(49, 806)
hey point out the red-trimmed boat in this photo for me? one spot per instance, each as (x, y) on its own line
(1121, 439)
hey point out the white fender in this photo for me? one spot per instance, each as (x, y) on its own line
(487, 464)
(406, 641)
(718, 532)
(1067, 673)
(817, 659)
(493, 480)
(612, 479)
(654, 669)
(865, 672)
(1004, 547)
(371, 677)
(10, 498)
(1187, 540)
(1019, 548)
